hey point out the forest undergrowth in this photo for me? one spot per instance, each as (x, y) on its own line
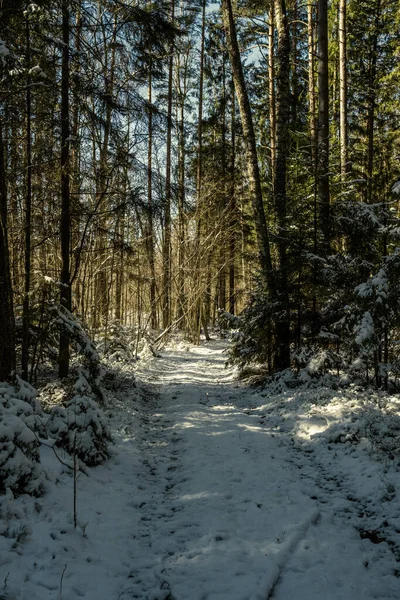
(339, 442)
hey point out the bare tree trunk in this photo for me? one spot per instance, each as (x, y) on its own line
(150, 233)
(372, 102)
(102, 182)
(313, 144)
(232, 214)
(271, 85)
(75, 162)
(295, 77)
(166, 297)
(197, 308)
(343, 88)
(199, 152)
(119, 282)
(323, 125)
(65, 224)
(250, 146)
(282, 325)
(222, 249)
(28, 211)
(181, 308)
(311, 79)
(7, 326)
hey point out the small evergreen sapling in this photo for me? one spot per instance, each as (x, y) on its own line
(20, 469)
(81, 427)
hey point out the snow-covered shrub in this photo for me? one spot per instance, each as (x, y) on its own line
(118, 343)
(371, 320)
(383, 430)
(322, 361)
(79, 337)
(341, 433)
(82, 428)
(85, 348)
(20, 470)
(13, 521)
(227, 322)
(359, 223)
(253, 337)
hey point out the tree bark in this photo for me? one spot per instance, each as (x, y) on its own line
(222, 249)
(271, 86)
(371, 102)
(323, 125)
(150, 233)
(311, 79)
(313, 145)
(65, 223)
(7, 325)
(267, 274)
(195, 321)
(232, 214)
(166, 296)
(28, 211)
(181, 304)
(343, 88)
(282, 325)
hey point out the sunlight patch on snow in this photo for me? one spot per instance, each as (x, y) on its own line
(253, 428)
(224, 407)
(219, 433)
(198, 496)
(309, 426)
(187, 425)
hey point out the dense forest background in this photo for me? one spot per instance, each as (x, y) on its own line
(183, 165)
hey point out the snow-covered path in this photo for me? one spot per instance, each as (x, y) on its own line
(235, 507)
(206, 497)
(239, 517)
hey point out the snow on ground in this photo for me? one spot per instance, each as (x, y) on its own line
(216, 491)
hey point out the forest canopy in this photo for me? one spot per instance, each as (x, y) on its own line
(188, 166)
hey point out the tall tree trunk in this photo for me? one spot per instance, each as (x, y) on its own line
(75, 161)
(102, 183)
(7, 326)
(323, 125)
(313, 145)
(343, 88)
(222, 216)
(150, 233)
(181, 307)
(119, 270)
(311, 79)
(271, 86)
(166, 296)
(295, 77)
(371, 102)
(199, 152)
(282, 353)
(28, 211)
(195, 323)
(250, 146)
(65, 224)
(233, 216)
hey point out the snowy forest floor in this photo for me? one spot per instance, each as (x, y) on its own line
(216, 491)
